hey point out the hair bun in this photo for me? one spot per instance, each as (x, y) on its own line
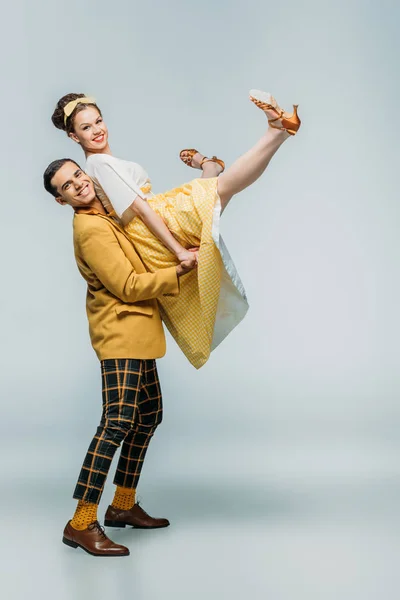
(58, 114)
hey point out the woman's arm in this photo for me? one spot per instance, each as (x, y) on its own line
(158, 227)
(127, 200)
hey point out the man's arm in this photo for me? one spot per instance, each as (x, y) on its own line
(101, 251)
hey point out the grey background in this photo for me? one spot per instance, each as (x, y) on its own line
(277, 462)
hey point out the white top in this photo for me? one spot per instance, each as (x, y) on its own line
(117, 182)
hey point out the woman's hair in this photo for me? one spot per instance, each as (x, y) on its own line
(58, 114)
(51, 170)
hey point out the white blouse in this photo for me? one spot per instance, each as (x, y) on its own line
(117, 182)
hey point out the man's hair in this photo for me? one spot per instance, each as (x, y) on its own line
(51, 171)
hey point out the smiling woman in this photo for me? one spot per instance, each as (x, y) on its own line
(212, 300)
(89, 129)
(67, 109)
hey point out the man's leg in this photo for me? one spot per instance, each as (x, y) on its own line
(123, 509)
(121, 379)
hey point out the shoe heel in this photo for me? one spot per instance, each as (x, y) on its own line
(114, 524)
(69, 542)
(292, 124)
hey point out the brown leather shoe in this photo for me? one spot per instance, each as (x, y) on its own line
(135, 517)
(93, 540)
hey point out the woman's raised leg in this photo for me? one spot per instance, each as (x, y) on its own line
(249, 167)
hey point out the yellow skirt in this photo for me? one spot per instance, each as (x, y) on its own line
(189, 213)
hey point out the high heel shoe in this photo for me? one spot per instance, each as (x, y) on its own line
(265, 101)
(188, 160)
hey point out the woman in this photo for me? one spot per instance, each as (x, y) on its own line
(212, 300)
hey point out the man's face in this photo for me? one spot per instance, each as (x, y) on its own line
(73, 186)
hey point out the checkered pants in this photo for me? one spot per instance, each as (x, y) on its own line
(132, 409)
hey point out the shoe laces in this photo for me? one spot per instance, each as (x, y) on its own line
(96, 526)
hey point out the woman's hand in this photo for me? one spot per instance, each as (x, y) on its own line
(188, 256)
(157, 226)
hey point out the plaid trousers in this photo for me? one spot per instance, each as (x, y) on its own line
(132, 409)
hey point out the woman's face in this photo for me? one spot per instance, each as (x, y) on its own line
(90, 131)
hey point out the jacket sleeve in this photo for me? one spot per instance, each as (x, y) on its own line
(101, 251)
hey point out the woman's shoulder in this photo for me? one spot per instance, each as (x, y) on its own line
(118, 164)
(103, 159)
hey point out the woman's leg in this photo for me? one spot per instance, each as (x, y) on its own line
(209, 168)
(249, 167)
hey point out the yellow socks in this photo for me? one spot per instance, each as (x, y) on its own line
(85, 514)
(124, 498)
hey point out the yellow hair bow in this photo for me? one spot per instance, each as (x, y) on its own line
(70, 107)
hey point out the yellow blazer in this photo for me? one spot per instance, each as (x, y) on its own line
(121, 305)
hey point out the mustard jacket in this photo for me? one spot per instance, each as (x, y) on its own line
(124, 321)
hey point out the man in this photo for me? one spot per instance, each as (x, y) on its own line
(127, 335)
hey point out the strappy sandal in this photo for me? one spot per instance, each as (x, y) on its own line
(188, 160)
(214, 159)
(265, 101)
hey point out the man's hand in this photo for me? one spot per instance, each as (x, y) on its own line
(188, 256)
(188, 263)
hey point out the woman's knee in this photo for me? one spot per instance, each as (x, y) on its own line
(224, 193)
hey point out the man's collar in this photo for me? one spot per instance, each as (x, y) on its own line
(91, 210)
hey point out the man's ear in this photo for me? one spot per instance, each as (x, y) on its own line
(73, 137)
(60, 200)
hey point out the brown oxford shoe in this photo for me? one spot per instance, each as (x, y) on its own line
(93, 540)
(135, 517)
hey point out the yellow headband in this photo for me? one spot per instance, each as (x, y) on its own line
(71, 106)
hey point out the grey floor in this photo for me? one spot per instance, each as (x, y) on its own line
(289, 516)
